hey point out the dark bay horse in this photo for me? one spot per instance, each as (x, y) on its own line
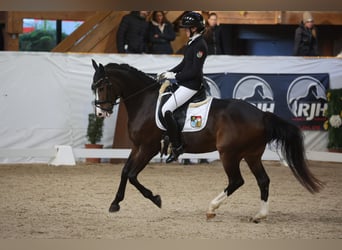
(235, 128)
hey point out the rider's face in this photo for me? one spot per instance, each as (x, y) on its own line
(188, 31)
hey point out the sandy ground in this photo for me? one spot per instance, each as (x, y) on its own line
(40, 201)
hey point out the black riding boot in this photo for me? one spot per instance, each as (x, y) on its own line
(174, 134)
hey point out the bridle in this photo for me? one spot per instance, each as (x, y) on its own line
(104, 81)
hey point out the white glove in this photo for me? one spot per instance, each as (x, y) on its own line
(165, 75)
(169, 75)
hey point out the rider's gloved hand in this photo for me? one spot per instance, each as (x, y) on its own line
(165, 75)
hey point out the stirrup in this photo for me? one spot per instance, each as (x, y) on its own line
(174, 154)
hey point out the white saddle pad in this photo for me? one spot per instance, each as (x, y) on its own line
(196, 116)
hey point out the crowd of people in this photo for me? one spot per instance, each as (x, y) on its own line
(145, 32)
(152, 32)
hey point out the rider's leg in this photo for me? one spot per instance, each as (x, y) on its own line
(175, 137)
(181, 95)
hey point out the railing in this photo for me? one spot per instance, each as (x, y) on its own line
(66, 155)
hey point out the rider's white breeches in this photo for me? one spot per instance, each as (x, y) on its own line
(178, 98)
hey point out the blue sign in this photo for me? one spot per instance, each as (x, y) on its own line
(300, 98)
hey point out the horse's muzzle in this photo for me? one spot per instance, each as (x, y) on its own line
(102, 113)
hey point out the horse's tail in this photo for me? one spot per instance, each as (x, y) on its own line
(290, 138)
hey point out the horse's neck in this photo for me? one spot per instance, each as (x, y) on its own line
(141, 106)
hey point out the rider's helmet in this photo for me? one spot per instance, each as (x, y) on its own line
(193, 19)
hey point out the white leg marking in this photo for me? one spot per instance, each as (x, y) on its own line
(215, 203)
(262, 213)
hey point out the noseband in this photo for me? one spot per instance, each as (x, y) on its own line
(104, 81)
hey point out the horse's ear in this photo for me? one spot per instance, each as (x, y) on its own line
(101, 68)
(94, 64)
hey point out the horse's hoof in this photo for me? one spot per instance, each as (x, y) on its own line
(210, 216)
(256, 220)
(157, 200)
(114, 208)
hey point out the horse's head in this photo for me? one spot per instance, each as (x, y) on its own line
(104, 91)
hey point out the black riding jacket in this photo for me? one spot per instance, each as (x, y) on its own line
(189, 72)
(132, 32)
(305, 43)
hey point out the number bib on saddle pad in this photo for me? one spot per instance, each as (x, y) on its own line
(191, 117)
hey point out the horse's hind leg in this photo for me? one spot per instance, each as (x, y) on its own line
(235, 180)
(263, 181)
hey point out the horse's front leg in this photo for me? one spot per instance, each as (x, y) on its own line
(120, 194)
(139, 162)
(136, 162)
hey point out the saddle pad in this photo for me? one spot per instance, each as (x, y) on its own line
(196, 116)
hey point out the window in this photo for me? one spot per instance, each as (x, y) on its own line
(44, 35)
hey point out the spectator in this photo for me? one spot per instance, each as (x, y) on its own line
(132, 34)
(161, 34)
(213, 35)
(305, 42)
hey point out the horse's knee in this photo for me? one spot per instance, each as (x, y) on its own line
(132, 179)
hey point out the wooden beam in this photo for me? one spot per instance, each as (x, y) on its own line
(2, 17)
(247, 17)
(14, 23)
(320, 17)
(99, 32)
(180, 41)
(277, 17)
(11, 42)
(107, 44)
(172, 16)
(70, 41)
(55, 15)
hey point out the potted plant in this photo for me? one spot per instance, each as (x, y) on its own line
(334, 120)
(94, 135)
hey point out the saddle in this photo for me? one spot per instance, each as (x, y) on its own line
(191, 116)
(165, 92)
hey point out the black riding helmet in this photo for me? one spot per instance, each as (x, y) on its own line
(193, 19)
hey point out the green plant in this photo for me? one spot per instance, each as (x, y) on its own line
(334, 118)
(95, 128)
(38, 40)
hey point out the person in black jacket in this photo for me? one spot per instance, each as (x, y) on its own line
(189, 76)
(132, 34)
(305, 42)
(161, 34)
(213, 35)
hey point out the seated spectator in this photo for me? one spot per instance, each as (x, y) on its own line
(161, 34)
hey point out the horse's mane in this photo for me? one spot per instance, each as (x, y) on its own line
(132, 70)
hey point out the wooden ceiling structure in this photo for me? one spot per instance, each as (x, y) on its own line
(97, 33)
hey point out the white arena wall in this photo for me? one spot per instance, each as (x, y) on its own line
(45, 99)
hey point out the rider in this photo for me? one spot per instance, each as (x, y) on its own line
(189, 76)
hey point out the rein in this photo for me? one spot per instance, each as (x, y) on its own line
(107, 83)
